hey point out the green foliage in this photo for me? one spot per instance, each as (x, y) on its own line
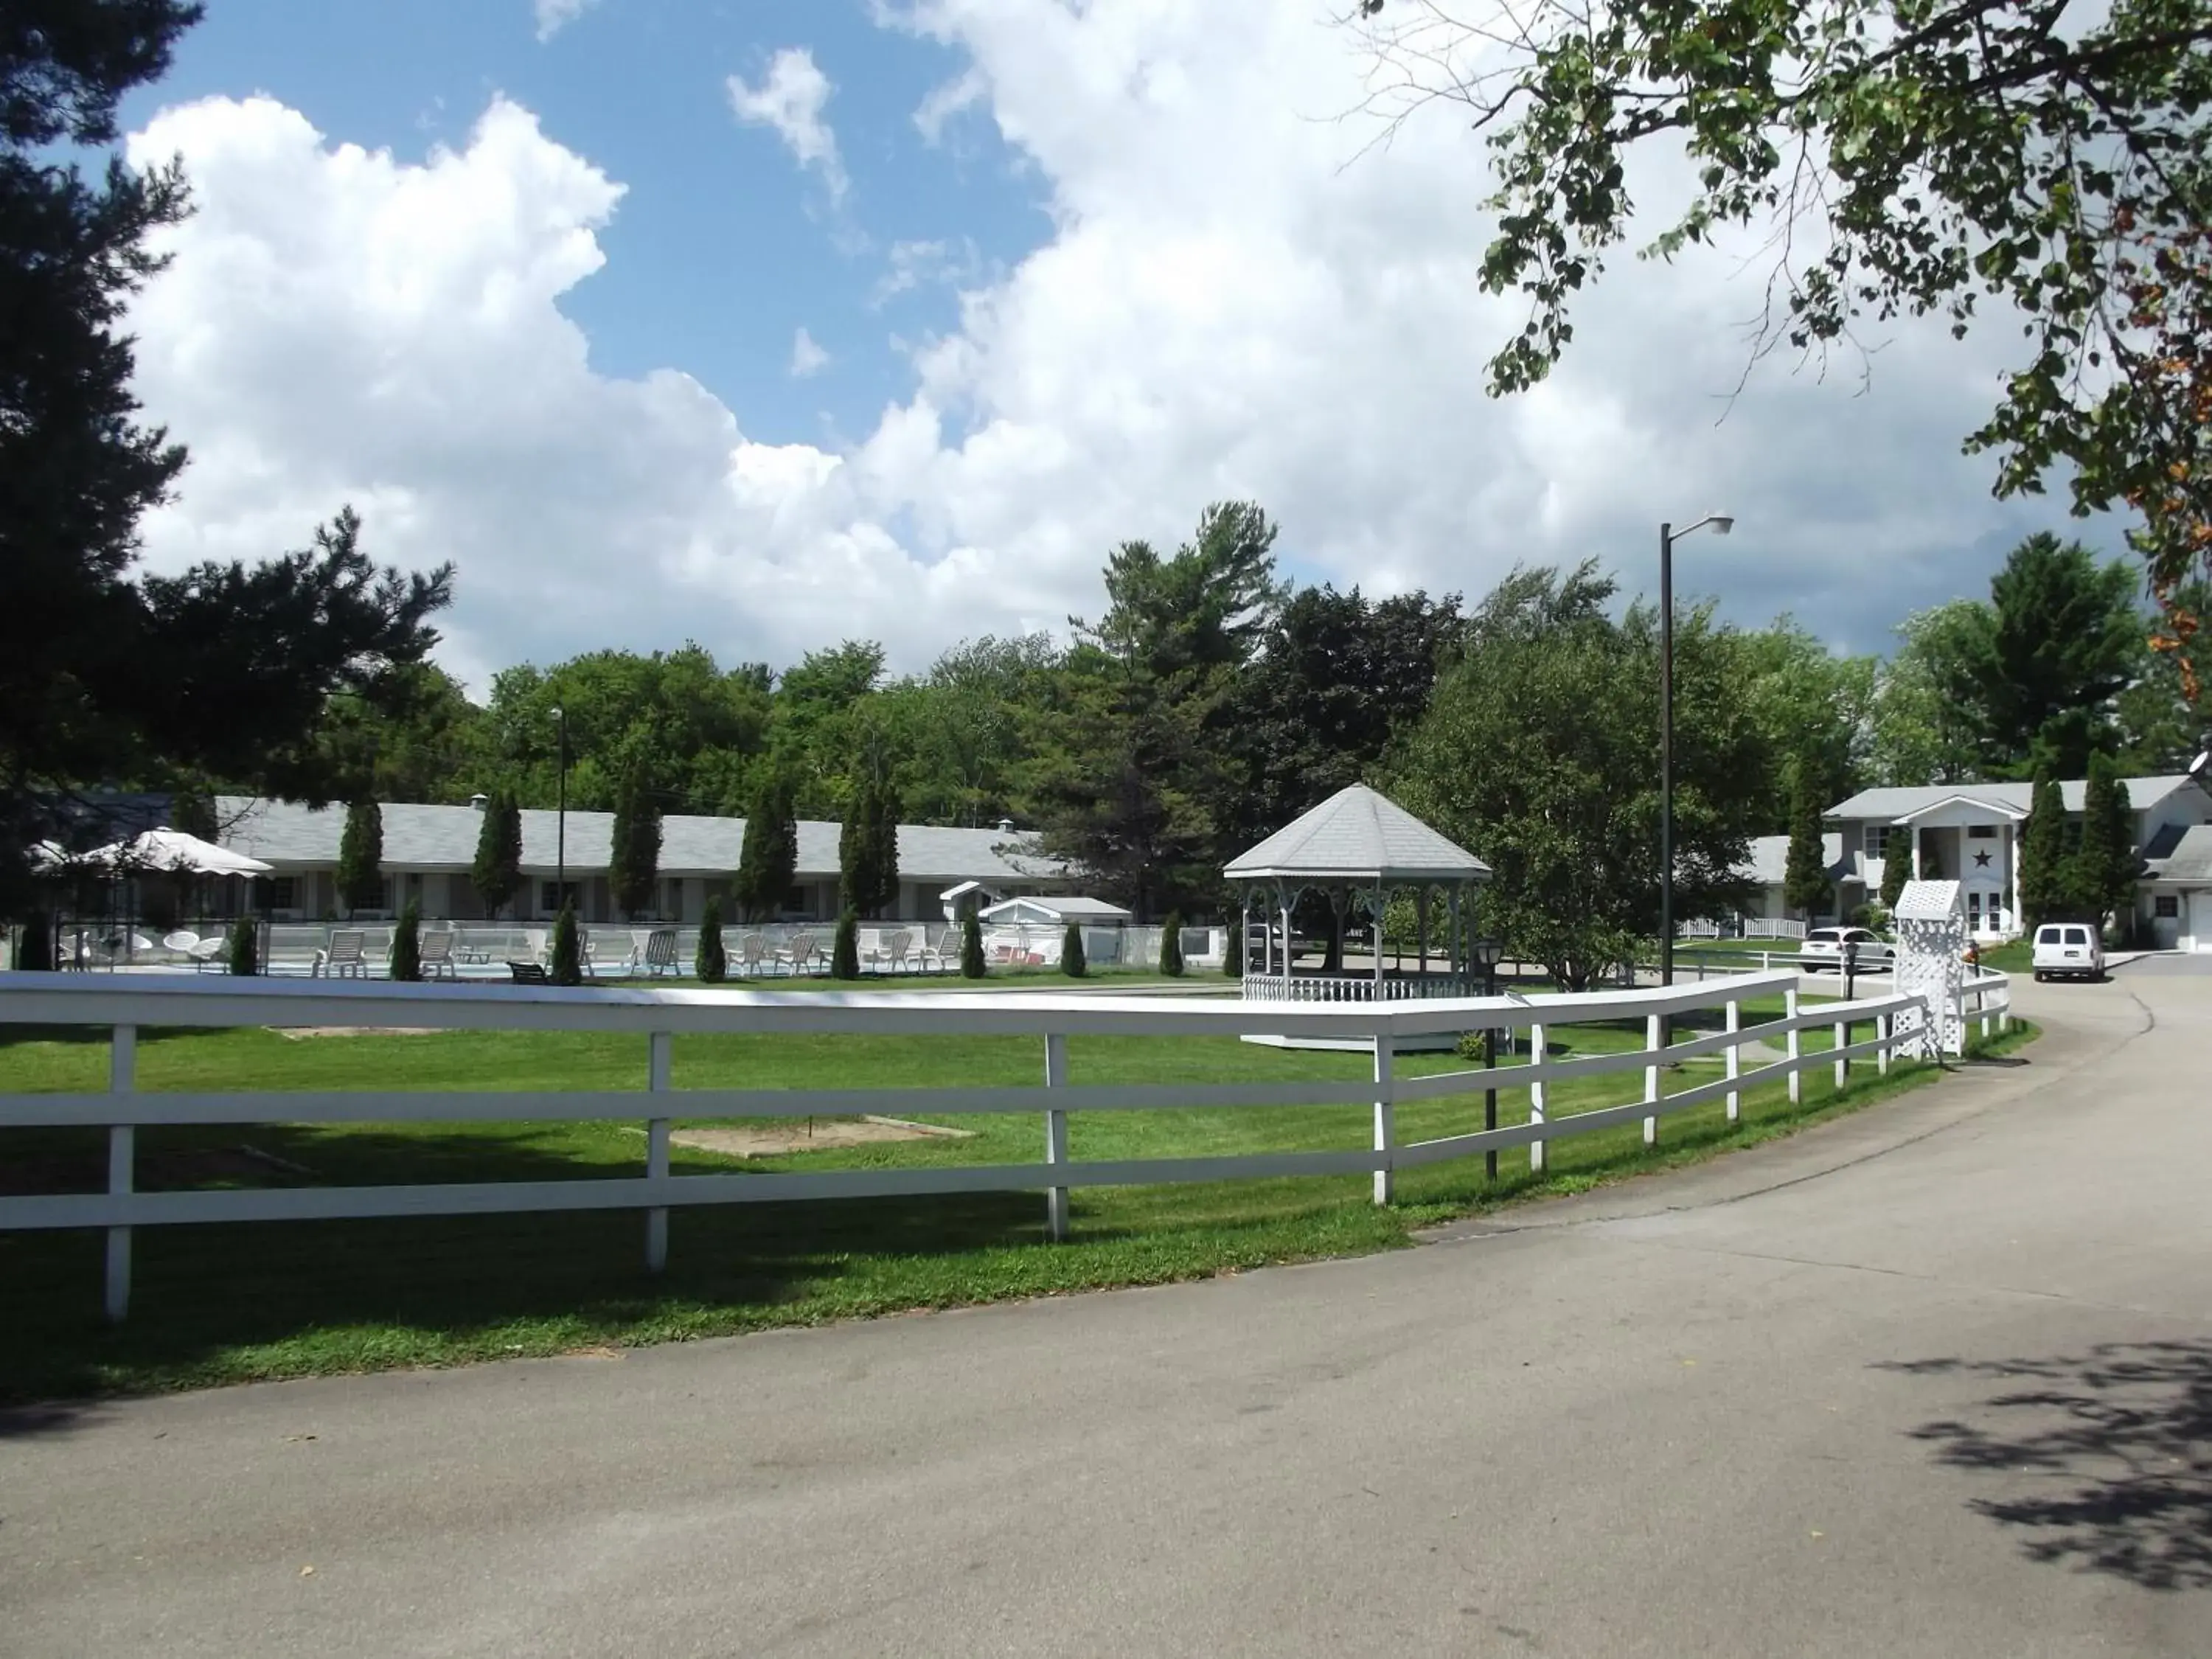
(1806, 883)
(407, 944)
(1072, 960)
(768, 864)
(1922, 734)
(868, 849)
(360, 857)
(567, 967)
(1929, 160)
(711, 961)
(634, 866)
(497, 873)
(971, 947)
(244, 955)
(2045, 881)
(191, 812)
(1171, 945)
(2101, 873)
(1540, 755)
(1897, 866)
(34, 943)
(845, 948)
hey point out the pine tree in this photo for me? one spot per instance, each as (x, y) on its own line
(1072, 961)
(1896, 867)
(1805, 881)
(768, 864)
(845, 951)
(497, 873)
(634, 856)
(567, 949)
(2103, 869)
(883, 855)
(1171, 945)
(711, 961)
(407, 944)
(245, 954)
(971, 948)
(2043, 873)
(360, 857)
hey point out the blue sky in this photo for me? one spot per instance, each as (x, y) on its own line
(530, 304)
(720, 251)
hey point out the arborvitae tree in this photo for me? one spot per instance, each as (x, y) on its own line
(845, 951)
(1171, 945)
(1072, 960)
(768, 864)
(360, 857)
(634, 856)
(191, 812)
(2103, 869)
(711, 961)
(882, 851)
(245, 954)
(2043, 872)
(407, 944)
(35, 945)
(856, 880)
(1805, 877)
(971, 947)
(497, 874)
(568, 949)
(1897, 866)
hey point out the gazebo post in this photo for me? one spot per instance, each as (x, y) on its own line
(1458, 944)
(1382, 904)
(1421, 926)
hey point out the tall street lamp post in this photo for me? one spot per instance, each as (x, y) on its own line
(1722, 523)
(561, 811)
(1487, 953)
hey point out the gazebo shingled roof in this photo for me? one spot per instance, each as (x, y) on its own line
(1357, 835)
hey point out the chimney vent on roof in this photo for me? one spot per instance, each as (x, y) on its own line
(479, 801)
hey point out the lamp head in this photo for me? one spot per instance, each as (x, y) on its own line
(1722, 522)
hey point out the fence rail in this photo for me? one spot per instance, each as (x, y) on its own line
(127, 1003)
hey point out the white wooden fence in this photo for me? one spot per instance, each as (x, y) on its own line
(127, 1003)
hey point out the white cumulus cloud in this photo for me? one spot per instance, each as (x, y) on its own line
(806, 357)
(1229, 304)
(554, 15)
(790, 99)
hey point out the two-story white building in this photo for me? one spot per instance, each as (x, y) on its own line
(1970, 833)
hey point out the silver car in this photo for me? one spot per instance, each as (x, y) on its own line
(1825, 947)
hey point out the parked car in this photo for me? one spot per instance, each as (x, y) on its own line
(1824, 948)
(2070, 948)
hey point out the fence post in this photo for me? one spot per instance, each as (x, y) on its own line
(1982, 1007)
(1734, 1057)
(1536, 1099)
(1843, 1060)
(1385, 1113)
(1652, 1041)
(1795, 1051)
(1055, 1136)
(122, 1155)
(1883, 1026)
(656, 1152)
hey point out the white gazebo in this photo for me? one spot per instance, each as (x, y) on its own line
(1357, 847)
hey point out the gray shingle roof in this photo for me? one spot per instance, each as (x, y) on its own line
(427, 837)
(1357, 832)
(1769, 864)
(1887, 805)
(2191, 861)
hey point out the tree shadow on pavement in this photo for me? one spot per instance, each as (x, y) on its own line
(2105, 1457)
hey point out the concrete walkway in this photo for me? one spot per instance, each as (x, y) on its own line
(1934, 1380)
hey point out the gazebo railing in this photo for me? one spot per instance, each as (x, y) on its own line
(1357, 987)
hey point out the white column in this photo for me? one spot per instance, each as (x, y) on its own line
(658, 1066)
(1536, 1099)
(1796, 1076)
(1055, 1136)
(1882, 1028)
(2012, 866)
(122, 1152)
(1385, 1113)
(1651, 1041)
(1842, 1064)
(1734, 1054)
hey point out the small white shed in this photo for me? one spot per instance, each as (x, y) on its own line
(1056, 910)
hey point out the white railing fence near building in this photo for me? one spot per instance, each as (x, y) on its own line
(126, 1004)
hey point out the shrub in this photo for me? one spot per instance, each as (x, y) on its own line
(971, 948)
(245, 946)
(407, 944)
(711, 961)
(1071, 952)
(844, 953)
(567, 949)
(1171, 945)
(35, 946)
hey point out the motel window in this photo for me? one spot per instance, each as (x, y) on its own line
(1982, 832)
(2166, 907)
(282, 891)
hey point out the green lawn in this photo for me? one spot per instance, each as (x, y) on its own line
(219, 1303)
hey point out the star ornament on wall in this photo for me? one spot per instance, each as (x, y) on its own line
(1983, 860)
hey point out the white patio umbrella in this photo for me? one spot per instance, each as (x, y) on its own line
(174, 850)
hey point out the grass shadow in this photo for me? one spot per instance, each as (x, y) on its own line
(2103, 1459)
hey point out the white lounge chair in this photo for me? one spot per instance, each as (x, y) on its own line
(435, 952)
(752, 952)
(343, 956)
(897, 948)
(799, 956)
(659, 954)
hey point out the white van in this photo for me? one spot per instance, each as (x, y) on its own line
(2067, 947)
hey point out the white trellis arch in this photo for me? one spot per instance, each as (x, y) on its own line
(1930, 919)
